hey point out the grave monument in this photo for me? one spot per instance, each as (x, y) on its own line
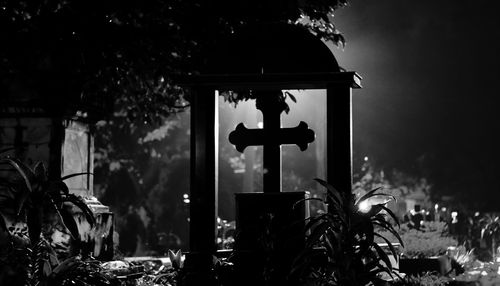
(262, 60)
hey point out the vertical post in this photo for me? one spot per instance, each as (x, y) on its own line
(56, 144)
(248, 179)
(204, 173)
(90, 158)
(339, 136)
(271, 106)
(320, 141)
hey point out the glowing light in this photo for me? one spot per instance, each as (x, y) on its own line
(186, 196)
(443, 209)
(436, 207)
(366, 158)
(187, 201)
(260, 124)
(364, 207)
(476, 214)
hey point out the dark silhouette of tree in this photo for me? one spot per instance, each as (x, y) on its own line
(118, 60)
(125, 52)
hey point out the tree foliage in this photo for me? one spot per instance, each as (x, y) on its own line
(119, 59)
(125, 52)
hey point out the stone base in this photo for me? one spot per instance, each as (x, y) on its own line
(99, 240)
(270, 232)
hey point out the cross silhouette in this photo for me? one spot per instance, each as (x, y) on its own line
(271, 137)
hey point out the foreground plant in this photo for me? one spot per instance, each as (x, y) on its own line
(424, 279)
(27, 200)
(491, 232)
(341, 248)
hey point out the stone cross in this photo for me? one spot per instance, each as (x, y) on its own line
(271, 136)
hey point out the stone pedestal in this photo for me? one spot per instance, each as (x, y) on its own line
(270, 232)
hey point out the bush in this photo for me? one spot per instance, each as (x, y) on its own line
(431, 240)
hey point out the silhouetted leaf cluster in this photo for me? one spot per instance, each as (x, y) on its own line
(96, 53)
(341, 248)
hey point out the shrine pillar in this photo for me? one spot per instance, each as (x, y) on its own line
(204, 181)
(339, 135)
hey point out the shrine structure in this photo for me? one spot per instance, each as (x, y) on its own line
(262, 60)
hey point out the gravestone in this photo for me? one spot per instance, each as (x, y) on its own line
(58, 131)
(260, 59)
(269, 225)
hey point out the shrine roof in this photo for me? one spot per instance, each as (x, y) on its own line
(266, 81)
(271, 48)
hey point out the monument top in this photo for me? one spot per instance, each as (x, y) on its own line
(271, 49)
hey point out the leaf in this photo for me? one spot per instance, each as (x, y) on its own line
(175, 258)
(80, 203)
(381, 268)
(40, 172)
(66, 264)
(392, 215)
(7, 150)
(332, 191)
(8, 194)
(159, 277)
(19, 167)
(317, 233)
(306, 199)
(69, 222)
(385, 225)
(383, 256)
(391, 247)
(367, 195)
(374, 210)
(291, 96)
(76, 174)
(306, 257)
(47, 269)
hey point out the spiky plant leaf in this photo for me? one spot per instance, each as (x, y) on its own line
(393, 216)
(369, 194)
(336, 195)
(82, 205)
(388, 227)
(175, 258)
(389, 244)
(69, 222)
(7, 150)
(24, 172)
(382, 255)
(75, 175)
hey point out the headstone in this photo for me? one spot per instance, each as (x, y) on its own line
(269, 225)
(65, 145)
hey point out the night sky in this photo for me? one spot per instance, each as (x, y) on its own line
(430, 98)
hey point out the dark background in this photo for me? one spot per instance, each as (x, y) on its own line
(430, 98)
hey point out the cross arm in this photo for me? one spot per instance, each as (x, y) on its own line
(300, 135)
